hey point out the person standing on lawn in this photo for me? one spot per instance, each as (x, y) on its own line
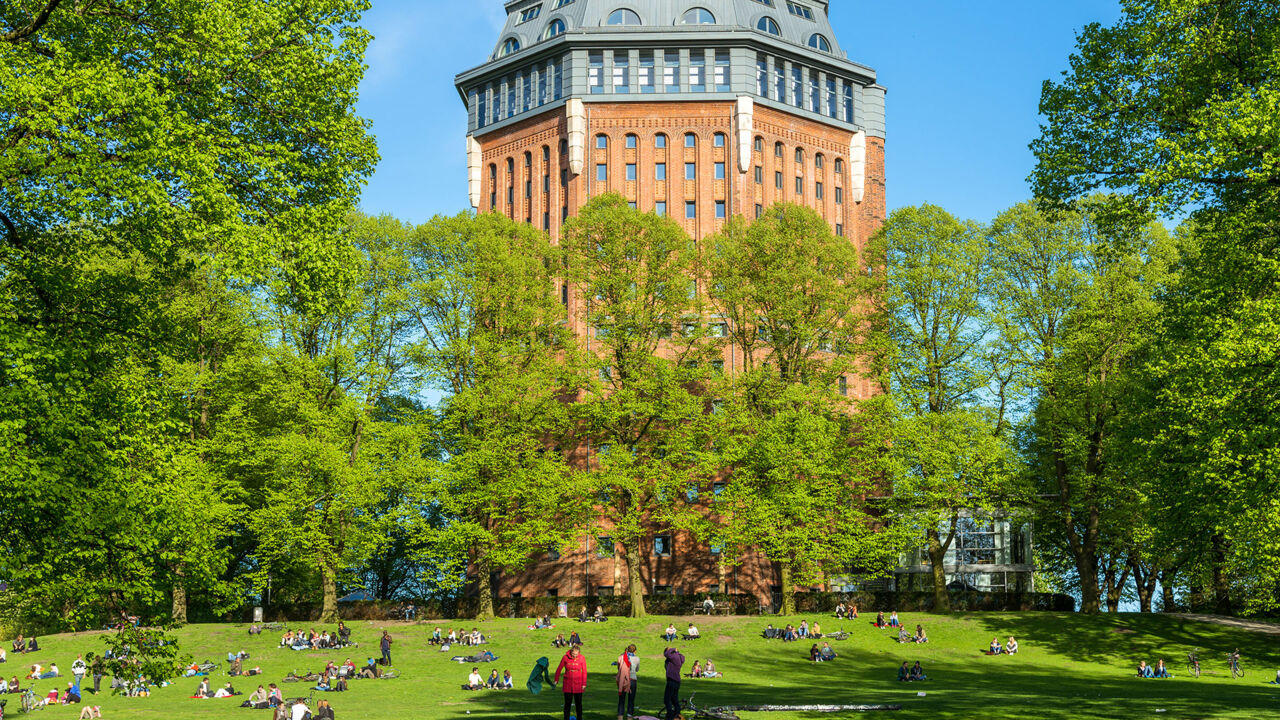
(573, 666)
(386, 648)
(671, 697)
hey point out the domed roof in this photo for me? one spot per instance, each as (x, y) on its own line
(798, 22)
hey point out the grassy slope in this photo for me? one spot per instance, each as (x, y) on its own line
(1070, 667)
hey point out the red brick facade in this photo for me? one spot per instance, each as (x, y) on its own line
(525, 175)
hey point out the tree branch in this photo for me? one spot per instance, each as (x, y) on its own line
(36, 23)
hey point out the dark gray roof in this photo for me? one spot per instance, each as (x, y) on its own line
(590, 17)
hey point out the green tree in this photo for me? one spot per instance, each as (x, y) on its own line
(796, 302)
(644, 415)
(948, 453)
(491, 337)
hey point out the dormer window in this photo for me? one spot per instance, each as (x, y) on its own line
(799, 10)
(819, 42)
(768, 25)
(555, 28)
(698, 16)
(623, 17)
(530, 13)
(510, 46)
(562, 3)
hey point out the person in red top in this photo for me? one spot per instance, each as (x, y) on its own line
(574, 668)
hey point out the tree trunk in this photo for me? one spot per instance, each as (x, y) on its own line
(1221, 585)
(1115, 589)
(937, 557)
(635, 584)
(179, 596)
(1089, 598)
(1167, 578)
(721, 585)
(484, 585)
(788, 589)
(329, 592)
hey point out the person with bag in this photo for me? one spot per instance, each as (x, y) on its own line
(573, 666)
(627, 664)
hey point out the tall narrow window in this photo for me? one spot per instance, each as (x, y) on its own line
(719, 171)
(815, 92)
(779, 81)
(482, 107)
(660, 208)
(720, 209)
(660, 171)
(690, 140)
(690, 171)
(632, 141)
(544, 85)
(697, 72)
(848, 103)
(690, 209)
(559, 80)
(646, 71)
(839, 195)
(527, 101)
(595, 71)
(659, 140)
(621, 72)
(832, 104)
(722, 71)
(671, 71)
(631, 171)
(602, 142)
(602, 172)
(762, 76)
(511, 95)
(797, 87)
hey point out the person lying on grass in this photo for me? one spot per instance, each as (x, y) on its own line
(226, 691)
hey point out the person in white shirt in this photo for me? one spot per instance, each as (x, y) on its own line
(300, 711)
(692, 632)
(671, 633)
(474, 680)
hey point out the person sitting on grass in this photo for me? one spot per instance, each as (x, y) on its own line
(1144, 670)
(474, 680)
(996, 647)
(1161, 670)
(507, 682)
(789, 634)
(494, 680)
(815, 631)
(72, 695)
(921, 637)
(257, 698)
(691, 633)
(904, 673)
(770, 632)
(559, 642)
(33, 645)
(853, 611)
(90, 712)
(323, 711)
(697, 669)
(1011, 647)
(203, 690)
(880, 623)
(670, 633)
(904, 636)
(19, 645)
(574, 639)
(822, 654)
(804, 629)
(917, 672)
(599, 615)
(226, 691)
(709, 670)
(274, 696)
(893, 619)
(840, 611)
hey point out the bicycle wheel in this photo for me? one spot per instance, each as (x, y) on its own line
(1237, 672)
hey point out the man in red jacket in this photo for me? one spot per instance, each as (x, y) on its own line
(574, 668)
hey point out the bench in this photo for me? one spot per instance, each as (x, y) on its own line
(722, 607)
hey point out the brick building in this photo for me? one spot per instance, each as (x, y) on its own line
(697, 109)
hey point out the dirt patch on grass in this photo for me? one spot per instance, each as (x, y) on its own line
(1258, 626)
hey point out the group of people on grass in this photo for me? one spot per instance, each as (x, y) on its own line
(1154, 671)
(311, 640)
(574, 640)
(456, 637)
(920, 637)
(671, 634)
(893, 620)
(495, 682)
(597, 616)
(915, 673)
(791, 633)
(1009, 648)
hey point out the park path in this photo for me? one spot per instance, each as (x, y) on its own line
(1258, 626)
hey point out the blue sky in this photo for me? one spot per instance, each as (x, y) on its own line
(964, 85)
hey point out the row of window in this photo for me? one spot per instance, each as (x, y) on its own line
(693, 16)
(803, 87)
(616, 66)
(523, 90)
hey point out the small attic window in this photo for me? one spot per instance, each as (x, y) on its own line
(530, 13)
(562, 3)
(554, 29)
(508, 47)
(799, 10)
(819, 42)
(769, 25)
(698, 16)
(623, 17)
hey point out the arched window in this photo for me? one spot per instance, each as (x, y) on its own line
(718, 139)
(554, 29)
(690, 140)
(508, 47)
(632, 141)
(602, 142)
(777, 149)
(759, 146)
(769, 25)
(839, 166)
(623, 17)
(817, 161)
(799, 156)
(698, 16)
(659, 140)
(819, 42)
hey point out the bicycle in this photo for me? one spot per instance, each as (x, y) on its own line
(1193, 664)
(707, 713)
(1233, 662)
(30, 702)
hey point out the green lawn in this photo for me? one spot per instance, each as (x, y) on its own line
(1070, 666)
